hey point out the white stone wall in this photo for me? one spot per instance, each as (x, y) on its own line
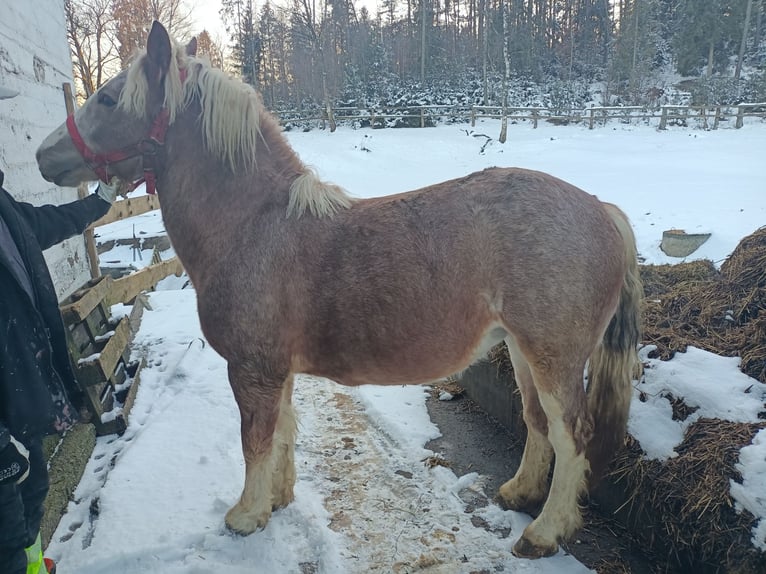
(34, 60)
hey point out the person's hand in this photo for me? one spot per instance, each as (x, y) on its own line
(108, 191)
(14, 463)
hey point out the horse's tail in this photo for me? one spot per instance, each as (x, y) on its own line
(615, 361)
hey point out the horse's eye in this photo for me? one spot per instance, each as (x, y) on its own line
(106, 100)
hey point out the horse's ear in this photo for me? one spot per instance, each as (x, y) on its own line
(191, 47)
(159, 52)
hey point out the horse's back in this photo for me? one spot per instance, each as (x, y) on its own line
(424, 276)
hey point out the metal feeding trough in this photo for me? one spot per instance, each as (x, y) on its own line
(678, 243)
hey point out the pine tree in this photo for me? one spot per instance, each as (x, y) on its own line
(246, 51)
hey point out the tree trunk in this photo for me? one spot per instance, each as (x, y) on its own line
(507, 60)
(710, 60)
(483, 21)
(743, 44)
(422, 41)
(326, 94)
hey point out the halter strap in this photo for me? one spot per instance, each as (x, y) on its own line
(99, 162)
(147, 148)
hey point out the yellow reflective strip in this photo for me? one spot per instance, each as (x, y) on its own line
(35, 557)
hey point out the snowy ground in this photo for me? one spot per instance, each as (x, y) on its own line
(365, 502)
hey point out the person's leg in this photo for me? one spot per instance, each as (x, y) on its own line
(21, 511)
(34, 490)
(13, 558)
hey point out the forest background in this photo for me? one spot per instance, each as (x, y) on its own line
(560, 54)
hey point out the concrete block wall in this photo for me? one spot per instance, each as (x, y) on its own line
(34, 60)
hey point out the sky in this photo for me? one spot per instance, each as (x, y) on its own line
(365, 502)
(205, 14)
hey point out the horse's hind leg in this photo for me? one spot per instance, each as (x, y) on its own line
(283, 479)
(258, 399)
(562, 397)
(526, 491)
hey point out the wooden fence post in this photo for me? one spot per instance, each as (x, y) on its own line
(740, 117)
(664, 118)
(82, 191)
(534, 119)
(473, 116)
(590, 126)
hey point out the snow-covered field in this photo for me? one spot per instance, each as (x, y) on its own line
(365, 502)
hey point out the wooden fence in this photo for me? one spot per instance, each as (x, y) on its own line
(707, 117)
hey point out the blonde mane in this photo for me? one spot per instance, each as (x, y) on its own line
(230, 109)
(319, 198)
(230, 123)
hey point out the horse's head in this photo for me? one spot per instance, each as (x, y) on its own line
(118, 129)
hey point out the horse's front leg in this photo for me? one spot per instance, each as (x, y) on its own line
(259, 398)
(283, 477)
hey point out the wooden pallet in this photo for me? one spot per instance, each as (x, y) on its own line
(100, 351)
(100, 345)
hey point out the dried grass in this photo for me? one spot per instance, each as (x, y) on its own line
(686, 499)
(722, 312)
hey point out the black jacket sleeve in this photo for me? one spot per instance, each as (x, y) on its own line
(52, 224)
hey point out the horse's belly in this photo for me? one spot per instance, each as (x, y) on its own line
(421, 361)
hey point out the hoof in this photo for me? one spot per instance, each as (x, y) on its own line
(244, 523)
(526, 549)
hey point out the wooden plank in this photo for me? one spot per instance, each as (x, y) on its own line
(140, 304)
(125, 289)
(101, 367)
(120, 422)
(130, 398)
(93, 400)
(128, 208)
(81, 343)
(107, 398)
(96, 324)
(77, 311)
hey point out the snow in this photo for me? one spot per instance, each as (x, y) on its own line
(154, 499)
(751, 494)
(712, 384)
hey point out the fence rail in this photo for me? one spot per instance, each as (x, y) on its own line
(708, 117)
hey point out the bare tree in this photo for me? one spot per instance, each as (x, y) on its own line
(743, 44)
(92, 41)
(134, 20)
(310, 23)
(507, 70)
(206, 46)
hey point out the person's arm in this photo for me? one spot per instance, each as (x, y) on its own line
(52, 224)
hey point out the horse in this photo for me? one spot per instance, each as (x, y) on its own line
(293, 275)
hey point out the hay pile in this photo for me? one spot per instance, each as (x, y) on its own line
(681, 508)
(684, 503)
(721, 312)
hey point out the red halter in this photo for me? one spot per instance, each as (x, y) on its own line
(146, 148)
